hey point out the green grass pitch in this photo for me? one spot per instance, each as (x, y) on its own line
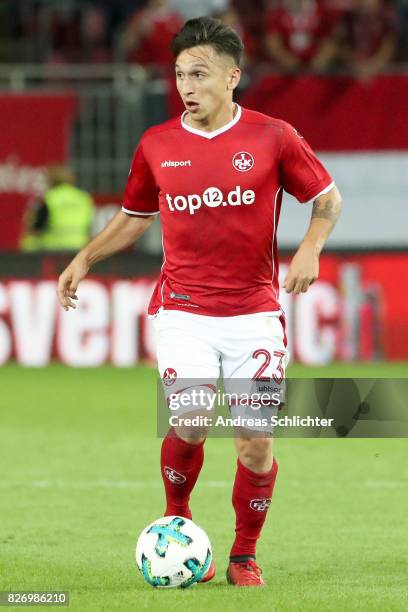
(79, 479)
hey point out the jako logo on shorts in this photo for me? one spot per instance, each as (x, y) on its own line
(212, 197)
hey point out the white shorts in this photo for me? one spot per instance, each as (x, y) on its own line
(241, 349)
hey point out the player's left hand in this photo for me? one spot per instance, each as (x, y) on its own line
(303, 270)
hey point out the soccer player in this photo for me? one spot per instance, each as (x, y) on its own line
(216, 176)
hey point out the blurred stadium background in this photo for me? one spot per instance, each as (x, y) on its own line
(81, 80)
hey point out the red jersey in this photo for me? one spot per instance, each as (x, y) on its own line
(219, 195)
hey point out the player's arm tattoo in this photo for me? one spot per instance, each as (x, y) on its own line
(326, 209)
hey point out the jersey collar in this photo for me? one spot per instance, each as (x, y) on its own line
(215, 133)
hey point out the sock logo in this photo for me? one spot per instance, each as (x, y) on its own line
(169, 376)
(173, 476)
(260, 505)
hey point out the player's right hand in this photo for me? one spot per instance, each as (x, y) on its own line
(69, 280)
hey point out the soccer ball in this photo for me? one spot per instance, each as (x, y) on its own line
(173, 552)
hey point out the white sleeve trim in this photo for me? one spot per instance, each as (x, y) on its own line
(326, 190)
(143, 214)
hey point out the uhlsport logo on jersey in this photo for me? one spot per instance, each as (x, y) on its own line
(260, 505)
(243, 161)
(173, 476)
(169, 376)
(212, 197)
(176, 164)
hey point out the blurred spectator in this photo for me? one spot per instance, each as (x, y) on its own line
(64, 26)
(402, 52)
(252, 16)
(298, 35)
(73, 30)
(196, 8)
(62, 221)
(11, 49)
(116, 13)
(147, 37)
(94, 34)
(366, 37)
(230, 17)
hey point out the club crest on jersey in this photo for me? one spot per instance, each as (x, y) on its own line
(173, 476)
(243, 161)
(260, 505)
(169, 376)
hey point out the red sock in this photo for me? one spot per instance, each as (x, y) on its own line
(181, 463)
(251, 498)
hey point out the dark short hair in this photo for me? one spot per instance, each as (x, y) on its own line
(208, 31)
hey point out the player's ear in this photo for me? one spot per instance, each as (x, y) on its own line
(234, 78)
